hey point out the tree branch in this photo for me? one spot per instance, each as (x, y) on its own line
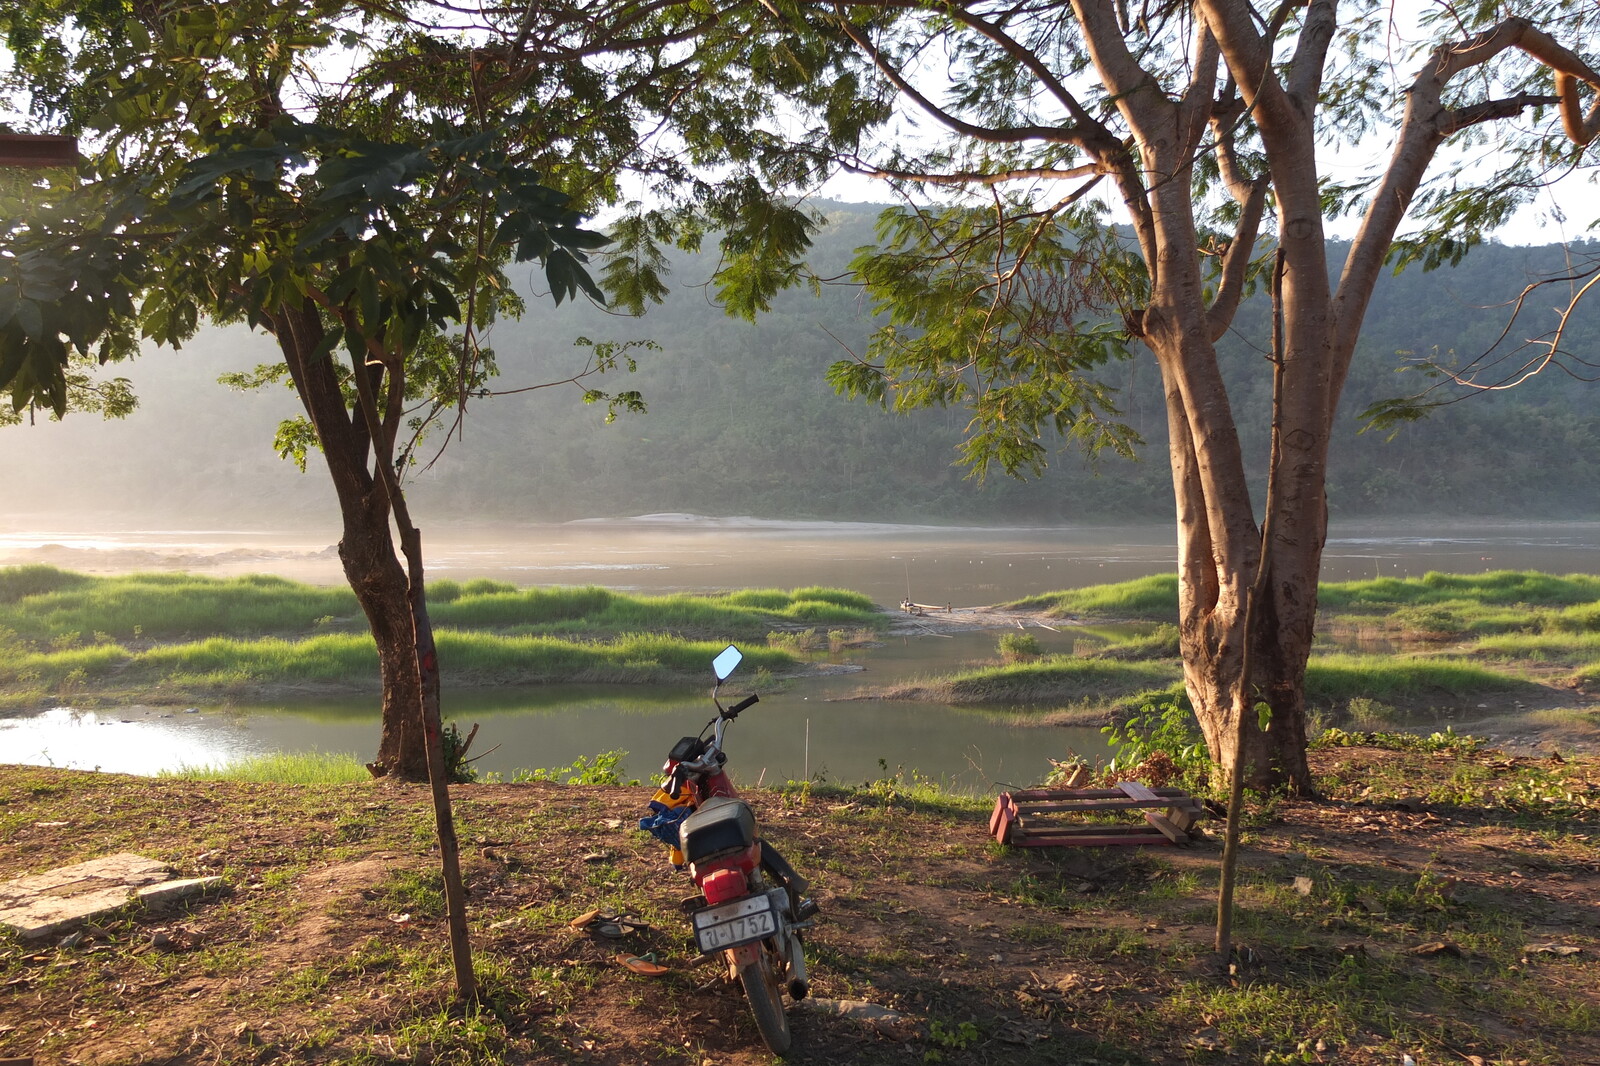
(1426, 125)
(1014, 135)
(1093, 135)
(1457, 119)
(1248, 54)
(975, 177)
(1311, 50)
(1236, 261)
(1198, 100)
(1580, 129)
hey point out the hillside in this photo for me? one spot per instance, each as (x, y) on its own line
(741, 420)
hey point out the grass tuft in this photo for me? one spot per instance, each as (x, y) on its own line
(284, 768)
(1153, 597)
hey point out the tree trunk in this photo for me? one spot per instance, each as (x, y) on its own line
(381, 587)
(1220, 551)
(366, 546)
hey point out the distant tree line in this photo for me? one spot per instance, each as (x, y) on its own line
(741, 420)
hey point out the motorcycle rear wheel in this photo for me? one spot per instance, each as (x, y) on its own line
(763, 987)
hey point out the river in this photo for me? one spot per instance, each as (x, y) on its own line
(797, 731)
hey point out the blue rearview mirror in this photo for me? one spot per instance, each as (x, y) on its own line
(725, 662)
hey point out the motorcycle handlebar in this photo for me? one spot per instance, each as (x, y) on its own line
(733, 712)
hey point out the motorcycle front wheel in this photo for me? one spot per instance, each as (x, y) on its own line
(763, 987)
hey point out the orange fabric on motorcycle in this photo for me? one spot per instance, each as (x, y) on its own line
(668, 801)
(722, 885)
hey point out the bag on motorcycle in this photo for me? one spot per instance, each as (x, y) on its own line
(666, 812)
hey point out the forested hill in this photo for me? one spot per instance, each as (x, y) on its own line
(741, 421)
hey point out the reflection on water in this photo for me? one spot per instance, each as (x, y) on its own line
(802, 728)
(134, 740)
(792, 734)
(795, 731)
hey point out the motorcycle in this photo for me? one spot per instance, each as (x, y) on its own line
(752, 907)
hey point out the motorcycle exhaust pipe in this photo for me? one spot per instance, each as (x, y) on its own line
(799, 983)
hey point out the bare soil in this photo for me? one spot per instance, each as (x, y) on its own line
(1450, 910)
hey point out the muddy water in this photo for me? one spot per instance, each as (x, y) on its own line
(799, 730)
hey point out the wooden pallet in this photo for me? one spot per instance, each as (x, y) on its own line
(1027, 818)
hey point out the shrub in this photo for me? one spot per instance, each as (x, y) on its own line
(1158, 745)
(1019, 647)
(1369, 713)
(1430, 621)
(602, 769)
(18, 582)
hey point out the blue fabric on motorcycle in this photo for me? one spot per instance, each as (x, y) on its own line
(663, 824)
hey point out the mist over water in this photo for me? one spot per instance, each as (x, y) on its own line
(963, 566)
(798, 732)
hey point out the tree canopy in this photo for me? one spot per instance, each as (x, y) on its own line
(1205, 124)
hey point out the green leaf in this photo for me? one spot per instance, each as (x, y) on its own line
(30, 317)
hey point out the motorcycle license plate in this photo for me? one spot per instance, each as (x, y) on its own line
(732, 924)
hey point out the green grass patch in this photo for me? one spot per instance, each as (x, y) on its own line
(19, 582)
(43, 605)
(284, 768)
(1160, 642)
(1059, 679)
(164, 606)
(743, 616)
(1388, 677)
(1579, 618)
(1445, 604)
(479, 658)
(638, 658)
(1565, 648)
(1366, 684)
(1502, 587)
(1146, 597)
(1460, 618)
(70, 634)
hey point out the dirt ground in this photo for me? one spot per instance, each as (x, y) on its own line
(1445, 906)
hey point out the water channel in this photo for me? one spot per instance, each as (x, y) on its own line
(800, 729)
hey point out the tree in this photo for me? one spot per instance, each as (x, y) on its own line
(223, 186)
(220, 186)
(356, 179)
(1208, 120)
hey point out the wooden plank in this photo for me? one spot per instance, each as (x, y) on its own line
(1031, 818)
(1064, 793)
(1003, 822)
(1160, 821)
(1108, 838)
(1067, 832)
(1046, 794)
(1090, 806)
